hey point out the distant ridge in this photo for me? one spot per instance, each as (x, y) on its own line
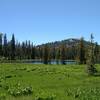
(68, 42)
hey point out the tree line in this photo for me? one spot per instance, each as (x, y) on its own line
(14, 50)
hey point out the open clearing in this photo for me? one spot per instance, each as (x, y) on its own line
(47, 82)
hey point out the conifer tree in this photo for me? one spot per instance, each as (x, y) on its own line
(33, 52)
(58, 55)
(23, 50)
(91, 70)
(5, 51)
(13, 48)
(18, 51)
(29, 50)
(63, 54)
(1, 51)
(82, 52)
(45, 54)
(49, 55)
(96, 53)
(53, 52)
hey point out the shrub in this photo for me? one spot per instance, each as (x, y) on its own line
(91, 70)
(27, 91)
(18, 90)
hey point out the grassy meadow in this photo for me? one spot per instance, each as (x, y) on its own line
(47, 82)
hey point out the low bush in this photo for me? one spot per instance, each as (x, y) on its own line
(84, 93)
(19, 91)
(90, 69)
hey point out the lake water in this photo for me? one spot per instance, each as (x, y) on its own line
(52, 62)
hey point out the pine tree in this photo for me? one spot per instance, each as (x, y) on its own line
(5, 51)
(57, 55)
(13, 48)
(96, 53)
(9, 50)
(73, 52)
(26, 49)
(23, 50)
(49, 55)
(29, 50)
(63, 54)
(40, 53)
(18, 51)
(45, 54)
(82, 59)
(91, 70)
(1, 51)
(53, 52)
(33, 52)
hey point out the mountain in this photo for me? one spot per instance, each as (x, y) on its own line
(69, 43)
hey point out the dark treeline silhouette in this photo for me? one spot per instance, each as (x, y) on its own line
(14, 50)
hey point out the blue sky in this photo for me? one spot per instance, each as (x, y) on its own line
(48, 20)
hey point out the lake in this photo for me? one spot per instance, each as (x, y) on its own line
(51, 62)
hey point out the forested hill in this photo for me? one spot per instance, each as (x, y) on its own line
(68, 42)
(69, 49)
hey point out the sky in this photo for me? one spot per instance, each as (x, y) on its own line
(44, 21)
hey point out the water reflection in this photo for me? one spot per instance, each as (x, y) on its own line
(51, 62)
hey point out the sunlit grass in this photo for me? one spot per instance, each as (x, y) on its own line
(47, 82)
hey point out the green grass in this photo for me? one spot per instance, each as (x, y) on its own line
(47, 82)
